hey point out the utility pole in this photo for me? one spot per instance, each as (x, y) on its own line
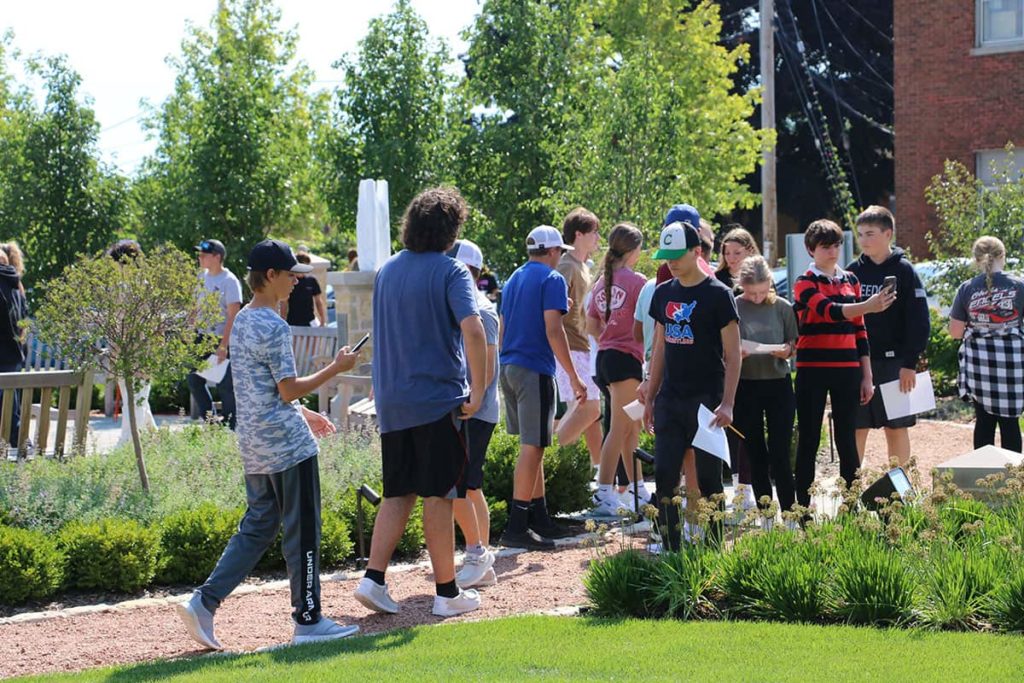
(769, 205)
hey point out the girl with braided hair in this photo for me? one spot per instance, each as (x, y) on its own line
(619, 359)
(987, 314)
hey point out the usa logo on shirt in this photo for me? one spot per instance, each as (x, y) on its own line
(678, 331)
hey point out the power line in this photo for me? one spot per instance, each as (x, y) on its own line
(835, 98)
(877, 30)
(854, 50)
(121, 123)
(838, 183)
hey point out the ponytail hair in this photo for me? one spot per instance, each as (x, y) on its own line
(988, 251)
(624, 238)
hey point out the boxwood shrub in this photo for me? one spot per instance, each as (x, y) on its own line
(110, 554)
(31, 566)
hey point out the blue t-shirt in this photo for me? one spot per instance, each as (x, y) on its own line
(532, 289)
(272, 434)
(419, 370)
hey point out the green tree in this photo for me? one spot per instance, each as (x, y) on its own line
(664, 126)
(234, 156)
(966, 210)
(146, 313)
(55, 195)
(623, 106)
(392, 119)
(529, 66)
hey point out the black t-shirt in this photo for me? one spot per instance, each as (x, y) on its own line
(693, 318)
(300, 303)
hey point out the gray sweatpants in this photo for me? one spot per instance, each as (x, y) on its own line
(291, 497)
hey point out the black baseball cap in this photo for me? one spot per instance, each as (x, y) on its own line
(212, 247)
(275, 255)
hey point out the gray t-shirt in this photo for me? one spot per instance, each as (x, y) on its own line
(228, 290)
(489, 315)
(773, 323)
(272, 434)
(990, 310)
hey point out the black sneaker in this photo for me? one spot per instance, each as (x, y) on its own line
(525, 539)
(552, 530)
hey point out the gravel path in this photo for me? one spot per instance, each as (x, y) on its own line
(528, 582)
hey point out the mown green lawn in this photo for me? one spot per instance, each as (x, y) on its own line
(566, 648)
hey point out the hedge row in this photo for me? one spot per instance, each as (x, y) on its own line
(955, 566)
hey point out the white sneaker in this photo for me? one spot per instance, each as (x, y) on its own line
(749, 502)
(643, 497)
(325, 629)
(608, 507)
(488, 579)
(374, 596)
(473, 568)
(199, 621)
(465, 601)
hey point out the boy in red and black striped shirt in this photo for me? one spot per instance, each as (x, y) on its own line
(832, 354)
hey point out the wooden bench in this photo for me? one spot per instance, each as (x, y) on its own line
(46, 382)
(313, 348)
(42, 357)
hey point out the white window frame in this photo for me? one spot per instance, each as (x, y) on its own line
(983, 159)
(983, 47)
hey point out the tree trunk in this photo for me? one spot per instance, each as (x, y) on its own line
(129, 385)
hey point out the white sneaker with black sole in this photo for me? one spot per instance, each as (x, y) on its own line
(465, 601)
(325, 629)
(374, 596)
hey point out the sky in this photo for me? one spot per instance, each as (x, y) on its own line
(120, 46)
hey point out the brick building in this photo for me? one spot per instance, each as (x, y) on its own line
(959, 94)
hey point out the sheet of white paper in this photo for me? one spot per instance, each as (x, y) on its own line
(635, 410)
(756, 348)
(711, 439)
(897, 404)
(214, 371)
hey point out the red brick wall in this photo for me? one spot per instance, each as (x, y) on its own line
(949, 103)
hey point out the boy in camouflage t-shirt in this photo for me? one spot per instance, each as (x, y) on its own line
(279, 455)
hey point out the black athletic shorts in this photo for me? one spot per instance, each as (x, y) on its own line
(616, 366)
(429, 460)
(479, 438)
(872, 416)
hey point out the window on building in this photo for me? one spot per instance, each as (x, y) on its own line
(992, 163)
(1000, 23)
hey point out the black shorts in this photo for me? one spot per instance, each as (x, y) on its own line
(479, 438)
(429, 460)
(617, 366)
(872, 416)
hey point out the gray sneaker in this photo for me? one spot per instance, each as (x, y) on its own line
(199, 621)
(325, 629)
(374, 596)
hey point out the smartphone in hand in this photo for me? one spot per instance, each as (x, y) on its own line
(889, 283)
(360, 343)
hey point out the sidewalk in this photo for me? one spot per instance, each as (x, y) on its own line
(104, 432)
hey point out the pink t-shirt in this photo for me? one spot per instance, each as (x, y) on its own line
(618, 331)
